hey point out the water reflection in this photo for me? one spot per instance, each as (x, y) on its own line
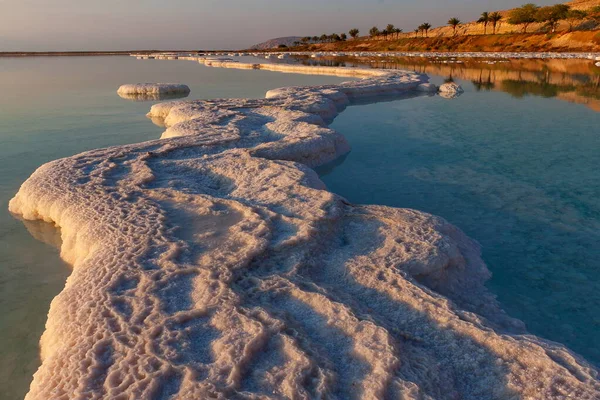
(575, 81)
(152, 96)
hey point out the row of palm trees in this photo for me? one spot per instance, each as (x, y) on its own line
(423, 29)
(488, 18)
(390, 31)
(324, 38)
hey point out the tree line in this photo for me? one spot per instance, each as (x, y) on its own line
(550, 16)
(524, 16)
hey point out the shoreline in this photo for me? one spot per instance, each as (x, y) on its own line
(591, 55)
(195, 255)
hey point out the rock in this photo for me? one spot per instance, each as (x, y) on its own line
(451, 88)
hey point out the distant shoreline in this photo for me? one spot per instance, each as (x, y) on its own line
(91, 53)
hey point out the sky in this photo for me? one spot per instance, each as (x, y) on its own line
(67, 25)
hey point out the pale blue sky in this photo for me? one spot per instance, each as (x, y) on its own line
(209, 24)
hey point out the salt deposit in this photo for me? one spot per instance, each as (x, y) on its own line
(451, 88)
(215, 264)
(152, 88)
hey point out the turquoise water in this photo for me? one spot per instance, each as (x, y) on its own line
(518, 174)
(56, 107)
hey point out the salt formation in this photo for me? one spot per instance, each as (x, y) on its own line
(152, 89)
(450, 87)
(214, 264)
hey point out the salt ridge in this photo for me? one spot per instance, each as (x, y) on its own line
(152, 88)
(214, 264)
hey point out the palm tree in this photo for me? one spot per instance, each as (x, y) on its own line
(323, 38)
(384, 33)
(398, 32)
(354, 33)
(343, 37)
(485, 20)
(416, 31)
(495, 18)
(315, 39)
(390, 29)
(374, 32)
(426, 27)
(454, 22)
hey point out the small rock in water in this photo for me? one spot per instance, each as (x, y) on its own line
(450, 90)
(451, 87)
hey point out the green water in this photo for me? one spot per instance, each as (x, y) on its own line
(54, 107)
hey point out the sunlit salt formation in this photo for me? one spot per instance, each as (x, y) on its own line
(450, 90)
(152, 89)
(216, 265)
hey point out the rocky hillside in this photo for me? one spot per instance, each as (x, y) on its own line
(274, 43)
(560, 42)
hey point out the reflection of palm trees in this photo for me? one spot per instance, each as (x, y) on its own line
(485, 85)
(580, 83)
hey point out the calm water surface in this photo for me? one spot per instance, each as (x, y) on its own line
(53, 107)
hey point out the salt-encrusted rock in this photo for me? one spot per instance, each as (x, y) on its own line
(598, 64)
(215, 264)
(427, 88)
(152, 88)
(451, 88)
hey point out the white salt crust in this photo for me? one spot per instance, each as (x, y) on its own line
(152, 89)
(215, 264)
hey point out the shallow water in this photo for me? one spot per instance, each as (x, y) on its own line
(53, 107)
(517, 173)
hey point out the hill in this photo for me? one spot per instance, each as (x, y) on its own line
(579, 41)
(274, 43)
